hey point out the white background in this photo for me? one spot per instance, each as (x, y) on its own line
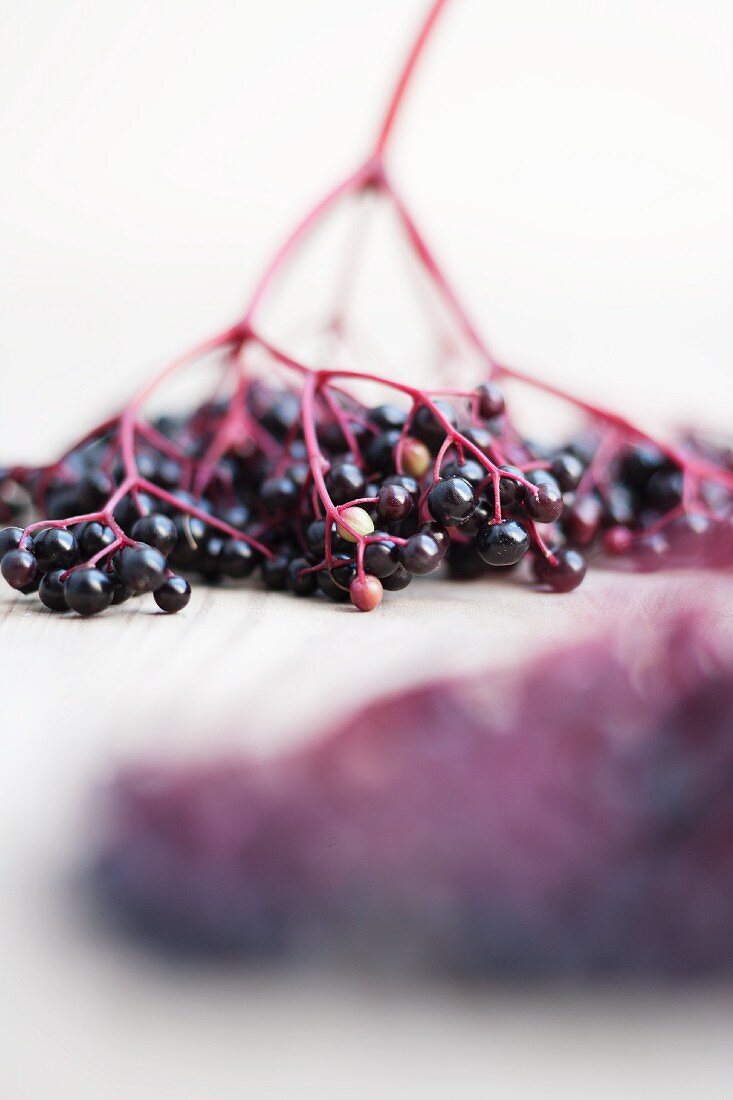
(573, 163)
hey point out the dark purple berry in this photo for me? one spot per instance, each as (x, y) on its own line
(470, 470)
(275, 572)
(420, 554)
(490, 400)
(567, 469)
(156, 530)
(396, 581)
(581, 519)
(544, 502)
(238, 559)
(503, 543)
(381, 559)
(142, 568)
(18, 567)
(52, 592)
(344, 482)
(300, 582)
(173, 595)
(428, 429)
(12, 538)
(88, 591)
(278, 494)
(451, 501)
(55, 548)
(562, 575)
(93, 537)
(394, 503)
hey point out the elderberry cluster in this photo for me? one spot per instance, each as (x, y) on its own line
(53, 563)
(385, 494)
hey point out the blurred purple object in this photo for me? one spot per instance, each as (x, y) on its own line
(573, 818)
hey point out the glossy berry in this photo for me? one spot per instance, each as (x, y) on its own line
(394, 503)
(300, 583)
(18, 567)
(191, 534)
(619, 506)
(478, 518)
(581, 520)
(366, 593)
(381, 558)
(278, 494)
(490, 400)
(93, 537)
(438, 534)
(544, 502)
(120, 592)
(567, 470)
(511, 491)
(503, 543)
(334, 583)
(379, 451)
(562, 575)
(388, 417)
(481, 437)
(129, 510)
(407, 482)
(420, 554)
(344, 482)
(451, 501)
(88, 591)
(52, 591)
(55, 548)
(156, 530)
(238, 559)
(427, 427)
(396, 581)
(142, 568)
(470, 470)
(173, 595)
(12, 538)
(210, 564)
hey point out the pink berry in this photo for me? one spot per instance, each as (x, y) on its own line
(366, 593)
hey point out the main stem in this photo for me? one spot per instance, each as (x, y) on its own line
(369, 174)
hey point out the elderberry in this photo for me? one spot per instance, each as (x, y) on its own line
(52, 591)
(394, 503)
(141, 568)
(238, 559)
(93, 537)
(12, 538)
(173, 595)
(156, 530)
(420, 554)
(88, 591)
(544, 502)
(451, 501)
(19, 568)
(344, 482)
(381, 558)
(503, 543)
(55, 548)
(564, 573)
(297, 578)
